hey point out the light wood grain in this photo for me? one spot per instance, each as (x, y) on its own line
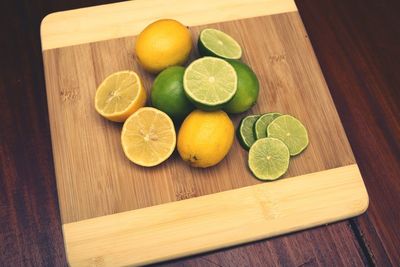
(104, 22)
(200, 224)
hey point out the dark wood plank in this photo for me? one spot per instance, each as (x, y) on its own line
(323, 246)
(358, 45)
(30, 231)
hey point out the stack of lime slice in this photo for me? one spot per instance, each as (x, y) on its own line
(272, 138)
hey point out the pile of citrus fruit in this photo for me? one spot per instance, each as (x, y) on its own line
(197, 98)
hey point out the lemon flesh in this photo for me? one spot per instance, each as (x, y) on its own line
(148, 137)
(119, 95)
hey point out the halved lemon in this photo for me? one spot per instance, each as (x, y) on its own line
(120, 95)
(148, 137)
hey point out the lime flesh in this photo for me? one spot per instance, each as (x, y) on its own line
(245, 131)
(268, 158)
(260, 127)
(210, 82)
(214, 42)
(291, 131)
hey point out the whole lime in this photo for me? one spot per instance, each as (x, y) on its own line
(168, 95)
(247, 88)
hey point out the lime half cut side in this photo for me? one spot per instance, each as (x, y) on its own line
(260, 127)
(213, 42)
(245, 131)
(291, 131)
(268, 159)
(210, 82)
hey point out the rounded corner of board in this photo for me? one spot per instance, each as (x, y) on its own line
(363, 202)
(44, 26)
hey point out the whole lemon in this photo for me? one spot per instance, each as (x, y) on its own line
(205, 138)
(163, 43)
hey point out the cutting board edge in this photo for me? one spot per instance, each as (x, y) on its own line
(217, 221)
(65, 28)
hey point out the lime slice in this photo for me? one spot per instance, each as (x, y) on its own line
(260, 127)
(213, 42)
(268, 158)
(245, 131)
(291, 131)
(210, 82)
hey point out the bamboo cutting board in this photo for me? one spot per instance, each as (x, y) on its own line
(116, 213)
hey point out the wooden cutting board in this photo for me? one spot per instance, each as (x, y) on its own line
(117, 213)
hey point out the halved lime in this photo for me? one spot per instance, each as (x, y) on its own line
(268, 158)
(245, 131)
(291, 131)
(214, 42)
(260, 127)
(209, 82)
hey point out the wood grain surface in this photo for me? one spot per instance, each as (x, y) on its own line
(357, 45)
(94, 178)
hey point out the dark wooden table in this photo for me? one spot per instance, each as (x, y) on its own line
(357, 43)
